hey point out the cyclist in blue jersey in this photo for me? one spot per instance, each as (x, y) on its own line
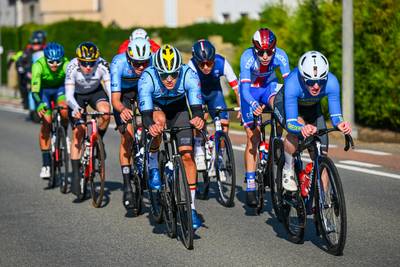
(126, 69)
(210, 67)
(258, 87)
(298, 107)
(163, 90)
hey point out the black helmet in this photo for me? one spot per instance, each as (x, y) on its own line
(203, 50)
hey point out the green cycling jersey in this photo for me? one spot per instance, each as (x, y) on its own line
(44, 77)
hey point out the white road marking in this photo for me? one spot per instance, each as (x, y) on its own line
(359, 163)
(372, 152)
(11, 108)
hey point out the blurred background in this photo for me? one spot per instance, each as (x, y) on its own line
(299, 25)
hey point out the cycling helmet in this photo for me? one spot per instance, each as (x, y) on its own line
(313, 66)
(167, 59)
(138, 50)
(138, 33)
(203, 50)
(264, 39)
(87, 51)
(54, 51)
(38, 37)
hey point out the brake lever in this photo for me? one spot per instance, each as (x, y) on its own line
(349, 142)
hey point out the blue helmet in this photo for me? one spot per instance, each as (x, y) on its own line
(203, 50)
(53, 51)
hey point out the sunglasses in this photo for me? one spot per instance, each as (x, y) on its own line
(138, 63)
(173, 75)
(206, 63)
(54, 62)
(310, 82)
(87, 63)
(261, 53)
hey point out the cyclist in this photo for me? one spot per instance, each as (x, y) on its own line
(87, 82)
(126, 69)
(298, 107)
(210, 67)
(48, 74)
(163, 89)
(138, 33)
(258, 86)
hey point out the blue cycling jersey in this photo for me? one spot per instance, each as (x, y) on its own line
(296, 93)
(211, 82)
(151, 89)
(253, 74)
(123, 76)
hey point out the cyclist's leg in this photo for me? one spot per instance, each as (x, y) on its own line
(61, 101)
(99, 101)
(78, 132)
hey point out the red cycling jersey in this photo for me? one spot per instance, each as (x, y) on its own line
(122, 48)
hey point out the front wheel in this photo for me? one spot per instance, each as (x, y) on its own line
(226, 173)
(276, 161)
(331, 207)
(62, 159)
(97, 177)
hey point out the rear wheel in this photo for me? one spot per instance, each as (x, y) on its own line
(97, 177)
(225, 165)
(62, 160)
(260, 189)
(275, 165)
(331, 207)
(167, 197)
(183, 201)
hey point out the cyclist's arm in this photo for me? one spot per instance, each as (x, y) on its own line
(70, 86)
(193, 91)
(232, 80)
(333, 93)
(116, 80)
(246, 61)
(145, 97)
(36, 81)
(291, 108)
(106, 78)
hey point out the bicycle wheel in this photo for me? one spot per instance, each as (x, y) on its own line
(182, 201)
(97, 177)
(138, 193)
(154, 195)
(261, 171)
(331, 208)
(203, 186)
(275, 165)
(226, 174)
(53, 166)
(168, 205)
(62, 160)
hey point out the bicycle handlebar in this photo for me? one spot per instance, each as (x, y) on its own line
(349, 143)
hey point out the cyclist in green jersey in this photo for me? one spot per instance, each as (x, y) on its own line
(48, 74)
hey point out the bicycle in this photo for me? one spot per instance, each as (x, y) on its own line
(137, 152)
(219, 156)
(172, 203)
(327, 205)
(59, 152)
(92, 160)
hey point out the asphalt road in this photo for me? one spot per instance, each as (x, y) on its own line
(43, 227)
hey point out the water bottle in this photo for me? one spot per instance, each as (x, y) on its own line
(169, 170)
(211, 156)
(305, 179)
(139, 160)
(264, 152)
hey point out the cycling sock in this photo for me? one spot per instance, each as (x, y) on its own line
(192, 188)
(251, 181)
(153, 160)
(126, 175)
(288, 161)
(46, 157)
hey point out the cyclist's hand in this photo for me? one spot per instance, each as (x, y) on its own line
(258, 111)
(41, 109)
(308, 130)
(345, 127)
(197, 122)
(76, 113)
(29, 75)
(155, 130)
(239, 115)
(126, 114)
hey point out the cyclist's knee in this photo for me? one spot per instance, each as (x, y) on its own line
(186, 155)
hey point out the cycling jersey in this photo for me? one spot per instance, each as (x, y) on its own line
(152, 90)
(124, 46)
(123, 76)
(211, 82)
(297, 95)
(255, 75)
(78, 82)
(44, 77)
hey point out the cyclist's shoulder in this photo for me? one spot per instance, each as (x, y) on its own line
(247, 53)
(281, 56)
(292, 84)
(247, 58)
(103, 65)
(119, 59)
(332, 83)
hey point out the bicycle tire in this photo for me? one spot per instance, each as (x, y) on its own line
(137, 190)
(275, 163)
(63, 160)
(183, 203)
(260, 191)
(203, 187)
(154, 195)
(337, 207)
(52, 179)
(227, 188)
(97, 177)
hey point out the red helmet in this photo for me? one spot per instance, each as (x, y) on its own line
(264, 39)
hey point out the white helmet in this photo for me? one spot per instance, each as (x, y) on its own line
(313, 66)
(138, 33)
(138, 50)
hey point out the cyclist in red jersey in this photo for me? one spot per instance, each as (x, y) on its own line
(138, 33)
